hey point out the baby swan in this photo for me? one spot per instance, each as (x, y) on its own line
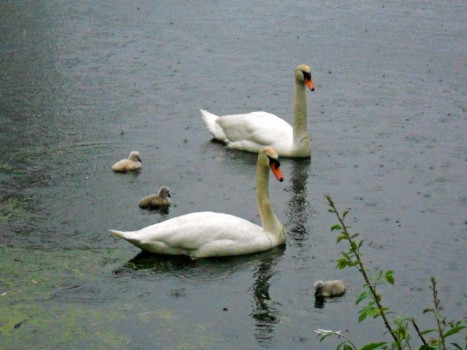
(329, 289)
(132, 163)
(155, 201)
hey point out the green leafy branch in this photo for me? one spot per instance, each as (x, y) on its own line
(353, 258)
(444, 329)
(374, 308)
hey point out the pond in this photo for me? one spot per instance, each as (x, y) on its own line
(85, 83)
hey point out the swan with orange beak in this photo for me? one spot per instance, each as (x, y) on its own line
(208, 234)
(252, 131)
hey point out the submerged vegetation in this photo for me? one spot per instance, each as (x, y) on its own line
(48, 299)
(397, 326)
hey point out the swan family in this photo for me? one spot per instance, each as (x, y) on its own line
(210, 234)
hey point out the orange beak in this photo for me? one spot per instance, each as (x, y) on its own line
(310, 84)
(277, 172)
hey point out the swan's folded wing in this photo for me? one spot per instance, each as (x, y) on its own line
(261, 128)
(193, 231)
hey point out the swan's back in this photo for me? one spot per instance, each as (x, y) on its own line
(242, 126)
(251, 131)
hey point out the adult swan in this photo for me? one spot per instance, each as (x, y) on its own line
(207, 234)
(250, 132)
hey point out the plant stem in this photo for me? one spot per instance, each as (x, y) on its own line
(338, 334)
(348, 341)
(418, 332)
(362, 270)
(437, 315)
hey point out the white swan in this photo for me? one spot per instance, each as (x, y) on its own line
(208, 234)
(132, 163)
(154, 201)
(250, 132)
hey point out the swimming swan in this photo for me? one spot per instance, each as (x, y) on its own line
(132, 163)
(154, 201)
(329, 288)
(208, 234)
(250, 132)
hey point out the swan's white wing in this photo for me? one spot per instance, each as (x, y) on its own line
(255, 130)
(200, 235)
(192, 230)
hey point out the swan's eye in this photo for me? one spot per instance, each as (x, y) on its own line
(274, 161)
(306, 75)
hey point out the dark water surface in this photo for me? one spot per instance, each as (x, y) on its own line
(84, 83)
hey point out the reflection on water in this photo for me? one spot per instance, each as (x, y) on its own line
(163, 211)
(155, 263)
(183, 267)
(264, 313)
(319, 302)
(298, 206)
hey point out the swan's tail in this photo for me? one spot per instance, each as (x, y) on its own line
(130, 237)
(120, 234)
(212, 125)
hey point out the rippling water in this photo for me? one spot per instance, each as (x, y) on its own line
(83, 84)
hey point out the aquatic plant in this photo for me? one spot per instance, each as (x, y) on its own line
(398, 327)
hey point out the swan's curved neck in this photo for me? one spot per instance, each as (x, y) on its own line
(300, 133)
(269, 220)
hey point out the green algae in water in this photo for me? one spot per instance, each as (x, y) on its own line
(12, 206)
(54, 326)
(31, 313)
(67, 299)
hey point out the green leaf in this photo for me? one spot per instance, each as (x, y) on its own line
(347, 256)
(344, 346)
(362, 316)
(344, 214)
(452, 331)
(426, 347)
(373, 346)
(340, 238)
(336, 227)
(355, 235)
(428, 310)
(340, 346)
(389, 277)
(342, 263)
(362, 296)
(325, 336)
(456, 346)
